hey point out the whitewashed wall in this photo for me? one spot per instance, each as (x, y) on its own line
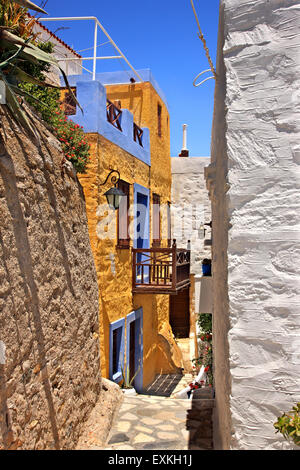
(190, 207)
(254, 183)
(61, 51)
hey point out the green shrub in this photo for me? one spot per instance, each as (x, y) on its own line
(205, 322)
(23, 64)
(47, 97)
(289, 425)
(73, 140)
(71, 136)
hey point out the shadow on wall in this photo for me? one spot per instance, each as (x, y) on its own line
(5, 424)
(104, 337)
(133, 94)
(168, 354)
(199, 421)
(166, 357)
(8, 174)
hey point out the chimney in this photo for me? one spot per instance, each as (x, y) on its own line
(184, 151)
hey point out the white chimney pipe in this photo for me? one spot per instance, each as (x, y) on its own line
(184, 151)
(184, 147)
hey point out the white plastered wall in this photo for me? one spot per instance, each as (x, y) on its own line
(254, 183)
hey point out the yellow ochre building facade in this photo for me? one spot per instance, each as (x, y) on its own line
(127, 126)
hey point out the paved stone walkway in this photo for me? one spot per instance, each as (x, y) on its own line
(156, 420)
(150, 423)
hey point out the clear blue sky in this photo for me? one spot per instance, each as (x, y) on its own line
(160, 35)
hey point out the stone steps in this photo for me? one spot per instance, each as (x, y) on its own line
(200, 419)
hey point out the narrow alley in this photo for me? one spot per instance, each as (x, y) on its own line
(149, 422)
(156, 420)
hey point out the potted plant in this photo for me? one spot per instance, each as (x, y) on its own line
(126, 384)
(289, 425)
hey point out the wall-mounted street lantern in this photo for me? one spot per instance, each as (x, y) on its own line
(113, 195)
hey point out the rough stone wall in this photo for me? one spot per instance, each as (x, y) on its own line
(50, 378)
(254, 186)
(190, 207)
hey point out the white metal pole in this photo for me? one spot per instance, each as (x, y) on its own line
(92, 58)
(95, 50)
(117, 48)
(78, 18)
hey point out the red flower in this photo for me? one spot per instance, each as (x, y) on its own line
(206, 369)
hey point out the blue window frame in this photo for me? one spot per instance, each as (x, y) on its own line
(116, 349)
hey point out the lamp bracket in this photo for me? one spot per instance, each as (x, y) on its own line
(114, 179)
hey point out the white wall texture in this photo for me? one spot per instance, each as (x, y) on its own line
(60, 52)
(254, 183)
(190, 207)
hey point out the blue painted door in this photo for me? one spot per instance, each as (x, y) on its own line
(142, 230)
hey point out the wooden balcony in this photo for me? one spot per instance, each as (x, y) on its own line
(160, 270)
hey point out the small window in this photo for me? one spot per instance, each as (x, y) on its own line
(116, 350)
(159, 112)
(123, 216)
(156, 225)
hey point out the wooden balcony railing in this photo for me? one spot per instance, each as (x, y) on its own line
(160, 270)
(137, 134)
(113, 114)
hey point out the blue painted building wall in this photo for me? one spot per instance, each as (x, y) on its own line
(92, 98)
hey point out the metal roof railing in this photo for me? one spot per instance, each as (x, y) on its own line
(94, 58)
